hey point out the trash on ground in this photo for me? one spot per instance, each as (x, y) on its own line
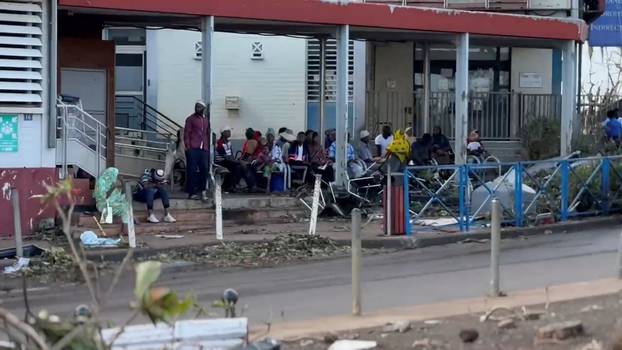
(353, 345)
(90, 240)
(19, 264)
(170, 236)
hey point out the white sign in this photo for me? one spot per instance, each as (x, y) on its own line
(531, 80)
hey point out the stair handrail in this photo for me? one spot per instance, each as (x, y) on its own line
(100, 130)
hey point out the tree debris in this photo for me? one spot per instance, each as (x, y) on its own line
(561, 330)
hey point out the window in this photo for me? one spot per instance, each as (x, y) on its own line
(21, 54)
(330, 64)
(257, 51)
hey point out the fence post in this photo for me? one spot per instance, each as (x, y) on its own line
(604, 184)
(495, 233)
(218, 203)
(387, 218)
(131, 233)
(564, 189)
(518, 194)
(316, 203)
(407, 227)
(463, 174)
(356, 262)
(17, 223)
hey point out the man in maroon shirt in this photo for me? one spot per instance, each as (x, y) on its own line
(197, 141)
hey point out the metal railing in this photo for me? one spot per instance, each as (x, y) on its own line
(497, 115)
(76, 125)
(133, 113)
(529, 193)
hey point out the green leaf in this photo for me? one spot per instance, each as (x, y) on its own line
(146, 274)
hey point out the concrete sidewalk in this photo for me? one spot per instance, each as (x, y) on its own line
(319, 327)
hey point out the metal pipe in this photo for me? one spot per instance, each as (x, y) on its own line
(356, 262)
(495, 233)
(218, 200)
(53, 72)
(426, 88)
(98, 150)
(17, 223)
(65, 141)
(388, 197)
(316, 202)
(322, 88)
(131, 233)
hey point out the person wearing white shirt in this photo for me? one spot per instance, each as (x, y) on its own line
(384, 140)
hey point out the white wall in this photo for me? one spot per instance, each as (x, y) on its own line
(272, 90)
(538, 61)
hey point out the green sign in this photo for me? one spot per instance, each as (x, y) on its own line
(8, 133)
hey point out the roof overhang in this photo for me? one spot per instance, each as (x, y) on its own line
(318, 16)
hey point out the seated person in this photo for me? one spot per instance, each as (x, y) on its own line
(441, 149)
(152, 185)
(383, 140)
(364, 153)
(224, 157)
(474, 145)
(298, 154)
(318, 159)
(355, 170)
(421, 150)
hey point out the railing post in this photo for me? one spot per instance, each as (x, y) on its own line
(604, 184)
(356, 262)
(315, 205)
(387, 218)
(98, 149)
(495, 233)
(518, 194)
(65, 142)
(463, 174)
(406, 203)
(17, 223)
(218, 202)
(564, 189)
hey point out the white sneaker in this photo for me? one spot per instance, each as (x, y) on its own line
(169, 218)
(152, 219)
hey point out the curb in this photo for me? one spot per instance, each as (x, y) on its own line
(396, 242)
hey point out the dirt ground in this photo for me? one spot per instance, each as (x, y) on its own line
(601, 318)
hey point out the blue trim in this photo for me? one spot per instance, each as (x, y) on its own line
(564, 189)
(518, 194)
(604, 185)
(556, 73)
(406, 204)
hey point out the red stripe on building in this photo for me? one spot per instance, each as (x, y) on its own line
(357, 14)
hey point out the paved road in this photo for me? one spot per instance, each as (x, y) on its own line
(404, 278)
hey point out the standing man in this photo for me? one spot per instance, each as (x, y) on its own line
(197, 141)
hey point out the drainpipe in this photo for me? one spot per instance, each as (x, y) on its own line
(53, 72)
(322, 88)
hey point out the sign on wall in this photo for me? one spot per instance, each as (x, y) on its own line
(531, 80)
(607, 29)
(8, 133)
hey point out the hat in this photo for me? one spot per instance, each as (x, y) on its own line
(288, 135)
(225, 128)
(200, 102)
(158, 175)
(407, 130)
(364, 134)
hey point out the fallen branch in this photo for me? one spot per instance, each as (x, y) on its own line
(24, 328)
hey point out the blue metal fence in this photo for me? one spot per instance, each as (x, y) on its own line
(529, 192)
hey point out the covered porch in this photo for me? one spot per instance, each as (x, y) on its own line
(459, 109)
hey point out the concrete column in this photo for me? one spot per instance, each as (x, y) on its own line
(341, 166)
(569, 89)
(322, 89)
(462, 97)
(207, 35)
(427, 128)
(360, 87)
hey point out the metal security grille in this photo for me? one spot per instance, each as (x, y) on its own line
(21, 54)
(313, 70)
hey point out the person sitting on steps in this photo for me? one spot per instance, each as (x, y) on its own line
(152, 185)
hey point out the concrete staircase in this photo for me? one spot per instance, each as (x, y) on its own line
(197, 216)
